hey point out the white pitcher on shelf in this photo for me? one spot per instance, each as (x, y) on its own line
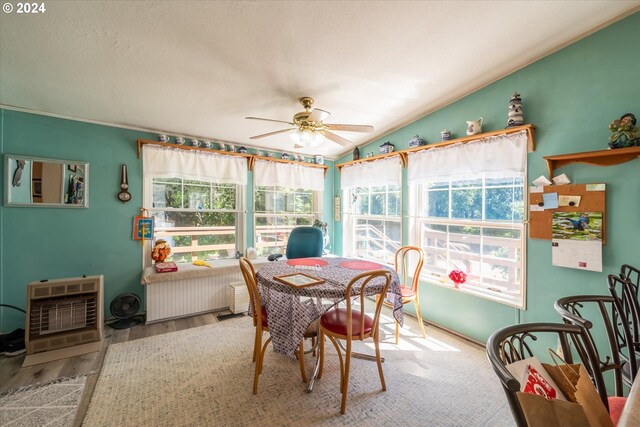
(474, 126)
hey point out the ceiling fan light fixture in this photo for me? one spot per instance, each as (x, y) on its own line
(307, 136)
(295, 135)
(317, 139)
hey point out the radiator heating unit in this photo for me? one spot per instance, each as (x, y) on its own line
(64, 318)
(238, 297)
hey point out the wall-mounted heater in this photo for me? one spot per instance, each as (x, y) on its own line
(64, 318)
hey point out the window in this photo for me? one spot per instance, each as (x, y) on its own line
(199, 219)
(278, 210)
(474, 221)
(197, 202)
(372, 222)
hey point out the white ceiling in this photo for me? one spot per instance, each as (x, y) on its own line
(195, 68)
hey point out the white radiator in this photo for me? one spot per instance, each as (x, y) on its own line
(238, 297)
(179, 298)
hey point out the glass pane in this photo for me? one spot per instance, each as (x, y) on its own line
(394, 205)
(504, 204)
(224, 197)
(434, 236)
(378, 203)
(260, 202)
(466, 204)
(197, 197)
(361, 204)
(437, 204)
(494, 182)
(438, 185)
(167, 196)
(464, 239)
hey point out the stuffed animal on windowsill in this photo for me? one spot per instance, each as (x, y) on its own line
(160, 251)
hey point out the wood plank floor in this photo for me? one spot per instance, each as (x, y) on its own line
(13, 376)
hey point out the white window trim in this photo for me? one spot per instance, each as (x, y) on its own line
(415, 200)
(147, 203)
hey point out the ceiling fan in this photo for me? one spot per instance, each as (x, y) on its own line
(309, 129)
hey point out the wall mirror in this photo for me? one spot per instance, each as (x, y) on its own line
(37, 182)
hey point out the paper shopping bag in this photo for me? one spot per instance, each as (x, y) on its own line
(576, 385)
(541, 412)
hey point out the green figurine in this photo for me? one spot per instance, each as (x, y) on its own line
(624, 132)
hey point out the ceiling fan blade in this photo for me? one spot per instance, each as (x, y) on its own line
(340, 140)
(264, 135)
(350, 128)
(269, 120)
(318, 115)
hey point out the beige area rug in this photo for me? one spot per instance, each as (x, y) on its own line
(203, 376)
(51, 404)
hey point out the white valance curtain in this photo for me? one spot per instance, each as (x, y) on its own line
(160, 162)
(289, 175)
(496, 156)
(387, 171)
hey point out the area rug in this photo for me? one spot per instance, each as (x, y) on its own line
(203, 376)
(51, 404)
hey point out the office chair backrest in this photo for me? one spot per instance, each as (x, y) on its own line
(304, 242)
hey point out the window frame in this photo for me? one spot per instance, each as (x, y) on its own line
(315, 214)
(350, 218)
(240, 211)
(417, 194)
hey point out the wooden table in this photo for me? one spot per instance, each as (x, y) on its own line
(631, 412)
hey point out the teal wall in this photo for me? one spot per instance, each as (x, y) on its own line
(50, 243)
(571, 96)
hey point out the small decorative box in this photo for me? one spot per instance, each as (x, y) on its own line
(166, 267)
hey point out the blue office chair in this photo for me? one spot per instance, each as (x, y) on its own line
(304, 242)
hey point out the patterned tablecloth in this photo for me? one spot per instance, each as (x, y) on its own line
(291, 310)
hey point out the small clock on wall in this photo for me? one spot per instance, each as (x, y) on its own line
(124, 196)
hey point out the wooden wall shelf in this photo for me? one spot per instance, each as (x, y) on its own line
(530, 129)
(597, 158)
(251, 158)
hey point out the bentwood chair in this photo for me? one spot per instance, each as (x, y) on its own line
(518, 342)
(409, 292)
(349, 325)
(624, 291)
(597, 314)
(261, 323)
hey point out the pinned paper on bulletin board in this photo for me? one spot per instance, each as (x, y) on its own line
(570, 198)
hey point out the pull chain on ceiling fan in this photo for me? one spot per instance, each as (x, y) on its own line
(309, 129)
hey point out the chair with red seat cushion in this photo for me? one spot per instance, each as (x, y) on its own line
(408, 263)
(349, 325)
(261, 323)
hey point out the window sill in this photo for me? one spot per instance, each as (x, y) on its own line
(495, 297)
(190, 271)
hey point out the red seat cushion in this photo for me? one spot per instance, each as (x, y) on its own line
(335, 320)
(265, 322)
(408, 293)
(616, 404)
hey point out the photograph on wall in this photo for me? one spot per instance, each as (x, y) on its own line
(577, 240)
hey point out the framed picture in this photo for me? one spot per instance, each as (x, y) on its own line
(142, 228)
(298, 280)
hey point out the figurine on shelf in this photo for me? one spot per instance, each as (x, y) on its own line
(445, 135)
(356, 153)
(387, 147)
(624, 132)
(417, 141)
(515, 115)
(161, 251)
(474, 126)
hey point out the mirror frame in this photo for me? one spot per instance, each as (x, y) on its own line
(8, 180)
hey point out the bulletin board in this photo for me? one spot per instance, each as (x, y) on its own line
(592, 199)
